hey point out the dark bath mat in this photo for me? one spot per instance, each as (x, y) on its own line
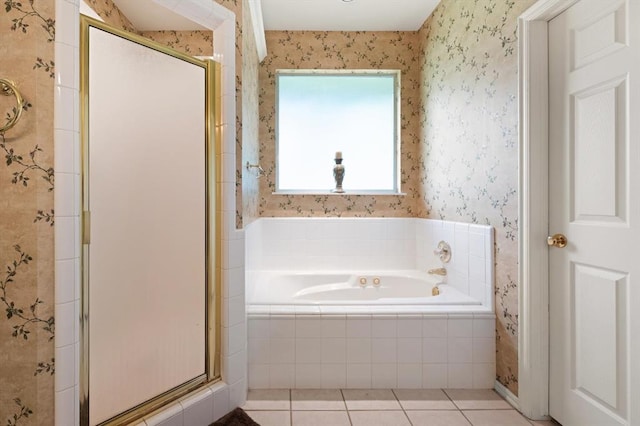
(236, 418)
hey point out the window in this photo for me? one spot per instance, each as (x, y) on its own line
(322, 112)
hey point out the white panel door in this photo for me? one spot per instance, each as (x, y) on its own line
(594, 194)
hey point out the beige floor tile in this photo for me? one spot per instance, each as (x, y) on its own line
(370, 399)
(320, 418)
(379, 418)
(317, 399)
(496, 418)
(267, 399)
(437, 418)
(424, 399)
(271, 418)
(478, 399)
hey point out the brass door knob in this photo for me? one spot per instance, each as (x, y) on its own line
(557, 240)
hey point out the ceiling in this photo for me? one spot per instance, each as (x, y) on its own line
(146, 15)
(340, 15)
(318, 15)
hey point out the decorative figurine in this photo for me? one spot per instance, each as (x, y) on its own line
(338, 173)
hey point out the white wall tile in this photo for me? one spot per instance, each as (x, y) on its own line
(358, 376)
(282, 328)
(384, 350)
(434, 376)
(65, 277)
(198, 408)
(484, 376)
(258, 351)
(476, 244)
(484, 327)
(409, 350)
(306, 327)
(334, 327)
(460, 376)
(334, 376)
(235, 367)
(258, 328)
(384, 327)
(384, 376)
(258, 376)
(237, 394)
(435, 327)
(434, 350)
(460, 349)
(358, 327)
(410, 327)
(171, 415)
(334, 350)
(308, 351)
(359, 350)
(282, 351)
(220, 401)
(460, 327)
(65, 376)
(66, 324)
(236, 338)
(65, 407)
(308, 376)
(281, 376)
(409, 376)
(484, 350)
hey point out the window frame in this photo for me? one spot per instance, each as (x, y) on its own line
(396, 75)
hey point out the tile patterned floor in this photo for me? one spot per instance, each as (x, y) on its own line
(383, 407)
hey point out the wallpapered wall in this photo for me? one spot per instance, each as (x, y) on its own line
(459, 130)
(468, 162)
(341, 50)
(248, 192)
(27, 31)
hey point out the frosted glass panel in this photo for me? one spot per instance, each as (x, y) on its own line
(146, 260)
(321, 114)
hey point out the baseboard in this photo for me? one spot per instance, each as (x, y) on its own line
(507, 395)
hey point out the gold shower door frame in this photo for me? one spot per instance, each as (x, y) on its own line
(213, 179)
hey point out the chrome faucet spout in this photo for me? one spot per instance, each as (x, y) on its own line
(438, 271)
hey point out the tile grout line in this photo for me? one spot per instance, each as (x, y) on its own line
(393, 391)
(456, 405)
(346, 407)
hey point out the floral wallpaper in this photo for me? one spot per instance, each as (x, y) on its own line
(27, 324)
(111, 15)
(342, 50)
(468, 161)
(247, 202)
(194, 43)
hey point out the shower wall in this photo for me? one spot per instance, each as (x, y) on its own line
(27, 324)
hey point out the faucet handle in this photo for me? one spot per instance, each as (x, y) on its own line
(443, 252)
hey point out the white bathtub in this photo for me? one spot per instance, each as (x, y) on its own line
(347, 288)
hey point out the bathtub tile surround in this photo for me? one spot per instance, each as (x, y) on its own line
(381, 244)
(330, 346)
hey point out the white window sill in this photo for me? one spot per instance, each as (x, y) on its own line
(357, 192)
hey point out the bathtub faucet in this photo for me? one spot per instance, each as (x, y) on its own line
(438, 271)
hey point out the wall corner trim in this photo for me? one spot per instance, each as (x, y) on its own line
(257, 20)
(533, 202)
(509, 396)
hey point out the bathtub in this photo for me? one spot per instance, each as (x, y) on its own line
(352, 289)
(347, 303)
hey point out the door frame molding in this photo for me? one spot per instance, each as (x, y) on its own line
(533, 206)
